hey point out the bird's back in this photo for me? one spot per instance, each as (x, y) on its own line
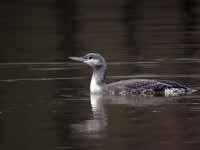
(146, 87)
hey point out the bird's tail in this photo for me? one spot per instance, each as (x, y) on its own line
(189, 90)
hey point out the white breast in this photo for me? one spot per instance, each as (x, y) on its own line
(94, 86)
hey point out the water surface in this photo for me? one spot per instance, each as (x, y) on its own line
(48, 106)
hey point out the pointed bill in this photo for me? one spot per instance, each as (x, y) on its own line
(77, 59)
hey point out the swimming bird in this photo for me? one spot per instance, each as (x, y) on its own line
(129, 87)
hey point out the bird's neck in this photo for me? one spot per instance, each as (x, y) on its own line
(98, 80)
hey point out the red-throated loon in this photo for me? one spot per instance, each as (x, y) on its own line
(127, 87)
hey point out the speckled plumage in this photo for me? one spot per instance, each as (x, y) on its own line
(146, 87)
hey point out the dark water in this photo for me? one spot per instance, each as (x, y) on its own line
(44, 97)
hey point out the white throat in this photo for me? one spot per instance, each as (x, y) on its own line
(95, 85)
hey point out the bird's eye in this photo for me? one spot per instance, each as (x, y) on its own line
(90, 57)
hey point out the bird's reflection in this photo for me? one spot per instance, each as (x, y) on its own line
(98, 122)
(97, 103)
(95, 126)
